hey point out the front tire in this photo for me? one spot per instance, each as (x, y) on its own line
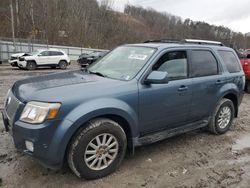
(31, 65)
(63, 64)
(223, 117)
(98, 149)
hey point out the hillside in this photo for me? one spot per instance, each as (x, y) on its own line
(91, 24)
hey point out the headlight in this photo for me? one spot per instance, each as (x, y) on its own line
(37, 112)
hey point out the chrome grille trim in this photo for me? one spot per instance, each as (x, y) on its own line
(11, 106)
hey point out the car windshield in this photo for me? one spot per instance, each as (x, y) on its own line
(122, 63)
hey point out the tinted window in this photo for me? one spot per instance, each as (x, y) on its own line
(230, 60)
(54, 53)
(174, 63)
(203, 63)
(45, 53)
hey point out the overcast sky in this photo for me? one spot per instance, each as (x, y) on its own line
(234, 14)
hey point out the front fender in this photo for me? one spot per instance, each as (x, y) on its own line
(89, 110)
(99, 107)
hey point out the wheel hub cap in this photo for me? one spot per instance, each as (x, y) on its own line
(101, 151)
(224, 117)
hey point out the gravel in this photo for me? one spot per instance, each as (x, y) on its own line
(195, 159)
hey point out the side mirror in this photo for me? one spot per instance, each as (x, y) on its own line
(157, 77)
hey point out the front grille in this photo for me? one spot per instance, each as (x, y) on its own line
(12, 104)
(21, 58)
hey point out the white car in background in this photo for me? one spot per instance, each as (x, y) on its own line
(14, 59)
(44, 57)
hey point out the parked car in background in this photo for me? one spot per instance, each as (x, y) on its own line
(14, 59)
(135, 95)
(247, 51)
(245, 62)
(85, 60)
(44, 57)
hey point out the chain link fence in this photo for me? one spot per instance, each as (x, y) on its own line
(8, 47)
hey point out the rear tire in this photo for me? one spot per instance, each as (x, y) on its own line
(63, 64)
(31, 65)
(223, 117)
(98, 149)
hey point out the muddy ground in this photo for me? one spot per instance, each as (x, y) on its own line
(195, 159)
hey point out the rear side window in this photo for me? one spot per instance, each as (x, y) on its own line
(203, 63)
(230, 60)
(54, 53)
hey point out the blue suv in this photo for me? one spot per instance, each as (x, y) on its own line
(136, 94)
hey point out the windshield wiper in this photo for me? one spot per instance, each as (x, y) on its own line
(97, 73)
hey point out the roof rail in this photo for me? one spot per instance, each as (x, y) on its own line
(192, 41)
(206, 42)
(164, 41)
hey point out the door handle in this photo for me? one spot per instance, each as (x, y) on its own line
(183, 88)
(218, 82)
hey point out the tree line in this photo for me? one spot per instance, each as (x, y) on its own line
(95, 24)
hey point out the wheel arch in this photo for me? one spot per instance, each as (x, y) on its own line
(122, 121)
(113, 109)
(233, 97)
(31, 60)
(63, 60)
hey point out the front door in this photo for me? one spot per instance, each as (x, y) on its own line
(166, 106)
(43, 58)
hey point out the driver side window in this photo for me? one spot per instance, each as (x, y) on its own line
(174, 63)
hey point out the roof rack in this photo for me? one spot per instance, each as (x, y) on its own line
(192, 41)
(164, 41)
(205, 42)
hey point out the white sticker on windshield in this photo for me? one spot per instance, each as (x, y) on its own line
(141, 57)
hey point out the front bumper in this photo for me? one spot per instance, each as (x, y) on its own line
(47, 139)
(13, 63)
(83, 62)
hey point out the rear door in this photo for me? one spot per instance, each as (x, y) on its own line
(207, 81)
(55, 57)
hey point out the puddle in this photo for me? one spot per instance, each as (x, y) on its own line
(242, 143)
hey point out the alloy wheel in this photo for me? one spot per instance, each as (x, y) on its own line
(101, 151)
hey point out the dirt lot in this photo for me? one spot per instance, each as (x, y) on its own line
(195, 159)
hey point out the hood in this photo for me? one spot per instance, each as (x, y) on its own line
(17, 54)
(72, 86)
(23, 89)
